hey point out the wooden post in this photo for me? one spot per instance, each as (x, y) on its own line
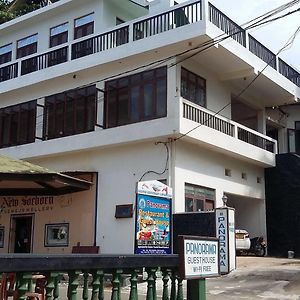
(196, 289)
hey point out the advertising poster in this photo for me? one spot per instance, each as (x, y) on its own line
(153, 223)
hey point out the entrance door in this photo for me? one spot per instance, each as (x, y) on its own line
(23, 231)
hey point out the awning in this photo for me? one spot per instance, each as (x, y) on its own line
(18, 177)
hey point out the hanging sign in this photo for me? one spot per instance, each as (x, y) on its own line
(153, 218)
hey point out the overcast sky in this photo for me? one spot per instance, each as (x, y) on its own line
(273, 35)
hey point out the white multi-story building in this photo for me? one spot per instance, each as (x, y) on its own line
(125, 92)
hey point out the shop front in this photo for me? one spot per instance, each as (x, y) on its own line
(42, 211)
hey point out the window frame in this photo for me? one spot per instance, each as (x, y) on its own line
(84, 27)
(62, 36)
(206, 201)
(6, 57)
(13, 131)
(61, 113)
(139, 96)
(28, 48)
(201, 88)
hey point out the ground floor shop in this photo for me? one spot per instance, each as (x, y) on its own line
(48, 223)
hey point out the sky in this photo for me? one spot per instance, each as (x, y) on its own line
(273, 35)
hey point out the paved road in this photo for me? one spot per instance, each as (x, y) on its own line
(255, 278)
(258, 278)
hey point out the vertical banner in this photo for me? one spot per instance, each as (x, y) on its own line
(153, 218)
(225, 231)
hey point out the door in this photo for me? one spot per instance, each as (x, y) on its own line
(23, 232)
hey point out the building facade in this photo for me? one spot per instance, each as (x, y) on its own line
(132, 92)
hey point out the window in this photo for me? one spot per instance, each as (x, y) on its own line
(136, 98)
(198, 198)
(294, 139)
(70, 113)
(27, 46)
(244, 176)
(5, 54)
(228, 172)
(57, 235)
(58, 35)
(193, 87)
(84, 26)
(18, 124)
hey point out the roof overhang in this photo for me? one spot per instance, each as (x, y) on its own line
(19, 178)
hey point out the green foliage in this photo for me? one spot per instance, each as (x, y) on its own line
(12, 9)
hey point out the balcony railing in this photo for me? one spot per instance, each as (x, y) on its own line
(94, 272)
(101, 42)
(44, 61)
(175, 18)
(9, 72)
(204, 117)
(262, 52)
(227, 25)
(288, 72)
(208, 119)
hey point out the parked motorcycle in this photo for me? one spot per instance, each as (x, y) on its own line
(258, 246)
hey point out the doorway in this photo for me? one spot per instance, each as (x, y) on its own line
(21, 233)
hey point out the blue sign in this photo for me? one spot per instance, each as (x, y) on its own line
(153, 222)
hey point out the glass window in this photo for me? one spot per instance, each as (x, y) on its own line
(70, 113)
(193, 87)
(59, 35)
(18, 124)
(84, 26)
(27, 46)
(136, 98)
(198, 198)
(5, 53)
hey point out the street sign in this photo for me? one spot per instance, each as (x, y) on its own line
(198, 257)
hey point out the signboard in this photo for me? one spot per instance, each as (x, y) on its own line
(225, 232)
(198, 257)
(153, 218)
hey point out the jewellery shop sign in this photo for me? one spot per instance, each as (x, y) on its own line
(26, 204)
(198, 257)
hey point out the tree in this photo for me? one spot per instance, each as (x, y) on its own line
(12, 9)
(5, 14)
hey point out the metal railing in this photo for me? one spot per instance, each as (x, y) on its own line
(288, 72)
(202, 116)
(254, 139)
(179, 16)
(105, 41)
(9, 72)
(227, 25)
(175, 18)
(205, 118)
(100, 275)
(44, 60)
(262, 52)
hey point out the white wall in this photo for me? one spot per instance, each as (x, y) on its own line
(206, 168)
(119, 169)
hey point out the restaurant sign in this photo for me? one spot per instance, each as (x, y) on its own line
(153, 218)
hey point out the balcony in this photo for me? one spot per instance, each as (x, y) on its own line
(180, 16)
(234, 136)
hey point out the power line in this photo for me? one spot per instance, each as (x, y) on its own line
(285, 47)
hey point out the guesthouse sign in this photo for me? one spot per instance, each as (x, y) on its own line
(198, 257)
